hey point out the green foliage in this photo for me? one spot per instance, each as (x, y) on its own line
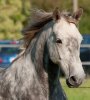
(84, 24)
(13, 13)
(51, 4)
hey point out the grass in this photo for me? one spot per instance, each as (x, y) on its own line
(81, 93)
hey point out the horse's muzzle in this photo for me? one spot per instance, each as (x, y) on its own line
(72, 82)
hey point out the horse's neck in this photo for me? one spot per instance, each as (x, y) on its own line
(48, 74)
(37, 50)
(49, 77)
(53, 70)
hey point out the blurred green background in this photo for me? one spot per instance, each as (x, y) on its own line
(14, 14)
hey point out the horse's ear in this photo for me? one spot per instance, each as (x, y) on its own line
(56, 14)
(77, 15)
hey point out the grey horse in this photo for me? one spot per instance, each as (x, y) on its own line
(52, 41)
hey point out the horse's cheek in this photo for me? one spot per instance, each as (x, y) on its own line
(53, 53)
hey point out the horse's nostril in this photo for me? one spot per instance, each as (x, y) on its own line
(72, 79)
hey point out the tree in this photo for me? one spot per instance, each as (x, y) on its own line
(47, 5)
(12, 18)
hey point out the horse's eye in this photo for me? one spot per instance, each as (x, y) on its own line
(58, 41)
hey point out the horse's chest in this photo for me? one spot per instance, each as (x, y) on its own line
(36, 91)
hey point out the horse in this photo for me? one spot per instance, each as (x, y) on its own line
(52, 42)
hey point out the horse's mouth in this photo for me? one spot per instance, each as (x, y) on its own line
(73, 85)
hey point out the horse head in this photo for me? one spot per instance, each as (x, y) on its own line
(64, 46)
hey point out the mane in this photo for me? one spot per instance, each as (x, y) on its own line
(38, 19)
